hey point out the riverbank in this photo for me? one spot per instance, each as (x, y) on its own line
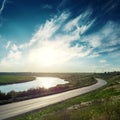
(101, 104)
(76, 80)
(11, 79)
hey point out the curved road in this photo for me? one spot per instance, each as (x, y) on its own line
(14, 109)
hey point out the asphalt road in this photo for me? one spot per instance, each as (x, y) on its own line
(14, 109)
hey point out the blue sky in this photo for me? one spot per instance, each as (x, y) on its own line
(59, 35)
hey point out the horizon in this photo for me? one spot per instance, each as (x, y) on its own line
(59, 72)
(64, 36)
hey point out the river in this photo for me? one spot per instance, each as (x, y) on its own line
(39, 82)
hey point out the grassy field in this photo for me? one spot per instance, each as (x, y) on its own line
(9, 79)
(101, 104)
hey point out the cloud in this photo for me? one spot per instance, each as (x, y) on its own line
(54, 43)
(63, 2)
(49, 43)
(110, 5)
(81, 22)
(3, 6)
(47, 6)
(46, 31)
(15, 55)
(14, 47)
(8, 44)
(12, 62)
(94, 55)
(105, 40)
(103, 61)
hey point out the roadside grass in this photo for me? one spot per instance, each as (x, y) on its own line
(10, 79)
(105, 105)
(108, 110)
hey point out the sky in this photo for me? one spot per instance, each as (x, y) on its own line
(59, 35)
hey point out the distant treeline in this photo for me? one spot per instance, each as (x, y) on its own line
(107, 75)
(15, 73)
(50, 74)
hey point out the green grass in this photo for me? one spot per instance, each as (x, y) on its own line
(103, 111)
(105, 105)
(9, 79)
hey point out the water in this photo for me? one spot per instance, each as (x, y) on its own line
(43, 82)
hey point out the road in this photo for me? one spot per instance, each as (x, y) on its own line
(14, 109)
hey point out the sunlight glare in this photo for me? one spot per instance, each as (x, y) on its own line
(48, 57)
(47, 84)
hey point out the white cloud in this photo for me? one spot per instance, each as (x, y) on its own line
(12, 61)
(48, 46)
(95, 41)
(107, 36)
(78, 24)
(15, 55)
(46, 31)
(56, 52)
(47, 6)
(52, 44)
(73, 23)
(8, 44)
(94, 55)
(2, 7)
(103, 61)
(14, 47)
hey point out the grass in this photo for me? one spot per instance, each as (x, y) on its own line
(102, 111)
(10, 79)
(105, 105)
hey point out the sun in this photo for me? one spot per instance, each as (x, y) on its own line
(48, 56)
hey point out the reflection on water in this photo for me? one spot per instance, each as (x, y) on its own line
(44, 82)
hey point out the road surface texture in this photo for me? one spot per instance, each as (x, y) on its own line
(14, 109)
